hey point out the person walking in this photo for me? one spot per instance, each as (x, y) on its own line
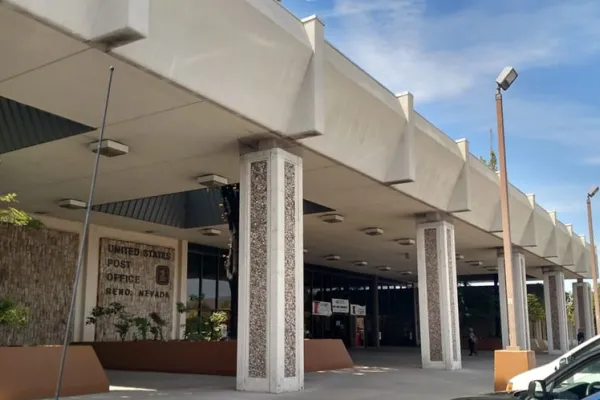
(472, 342)
(580, 336)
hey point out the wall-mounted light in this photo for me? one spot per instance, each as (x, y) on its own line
(373, 231)
(405, 242)
(109, 148)
(212, 181)
(332, 218)
(72, 204)
(210, 232)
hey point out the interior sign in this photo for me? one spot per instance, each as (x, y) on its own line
(340, 306)
(322, 308)
(358, 310)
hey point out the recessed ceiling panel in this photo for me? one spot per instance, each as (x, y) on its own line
(24, 126)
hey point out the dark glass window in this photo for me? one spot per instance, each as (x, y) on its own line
(224, 302)
(193, 278)
(210, 272)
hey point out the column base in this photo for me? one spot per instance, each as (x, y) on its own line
(509, 363)
(264, 386)
(451, 366)
(556, 352)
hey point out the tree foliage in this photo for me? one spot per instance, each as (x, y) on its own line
(13, 216)
(492, 163)
(12, 314)
(535, 307)
(570, 304)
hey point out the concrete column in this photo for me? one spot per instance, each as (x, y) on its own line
(438, 296)
(556, 310)
(375, 317)
(270, 343)
(519, 298)
(582, 299)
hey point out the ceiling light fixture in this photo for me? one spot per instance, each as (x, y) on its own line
(384, 268)
(405, 273)
(332, 218)
(210, 232)
(212, 181)
(109, 148)
(460, 257)
(360, 263)
(72, 204)
(373, 231)
(405, 242)
(475, 263)
(332, 257)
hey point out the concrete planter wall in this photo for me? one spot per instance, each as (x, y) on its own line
(206, 358)
(29, 373)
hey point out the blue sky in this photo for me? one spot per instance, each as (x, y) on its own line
(448, 54)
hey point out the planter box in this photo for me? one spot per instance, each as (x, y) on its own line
(28, 373)
(326, 355)
(184, 357)
(206, 358)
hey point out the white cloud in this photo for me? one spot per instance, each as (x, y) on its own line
(407, 46)
(594, 160)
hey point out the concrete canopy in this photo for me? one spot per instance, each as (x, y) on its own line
(192, 87)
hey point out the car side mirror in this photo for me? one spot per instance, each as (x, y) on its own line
(537, 390)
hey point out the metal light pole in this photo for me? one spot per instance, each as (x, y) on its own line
(594, 262)
(504, 80)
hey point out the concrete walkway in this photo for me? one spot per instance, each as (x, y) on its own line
(389, 373)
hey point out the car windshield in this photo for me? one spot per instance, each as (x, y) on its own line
(579, 383)
(591, 346)
(586, 348)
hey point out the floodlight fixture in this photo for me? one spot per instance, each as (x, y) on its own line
(506, 78)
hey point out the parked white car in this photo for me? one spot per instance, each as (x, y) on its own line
(521, 381)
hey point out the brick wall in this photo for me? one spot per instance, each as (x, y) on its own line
(37, 267)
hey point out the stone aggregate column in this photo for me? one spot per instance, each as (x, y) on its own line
(270, 343)
(584, 316)
(556, 311)
(519, 297)
(438, 294)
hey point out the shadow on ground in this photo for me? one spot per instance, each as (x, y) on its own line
(382, 374)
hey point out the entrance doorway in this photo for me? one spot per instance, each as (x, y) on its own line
(358, 332)
(340, 327)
